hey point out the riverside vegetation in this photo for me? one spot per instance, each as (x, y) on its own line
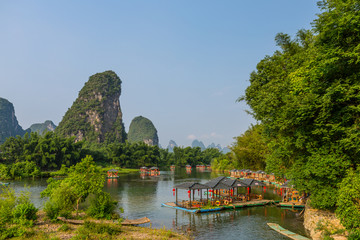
(35, 156)
(306, 99)
(19, 217)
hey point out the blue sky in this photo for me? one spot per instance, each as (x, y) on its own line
(182, 63)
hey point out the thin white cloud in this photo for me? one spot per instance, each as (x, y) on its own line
(191, 137)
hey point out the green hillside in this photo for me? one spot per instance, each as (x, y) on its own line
(143, 130)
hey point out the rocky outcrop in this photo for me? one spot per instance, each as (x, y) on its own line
(320, 223)
(143, 130)
(96, 116)
(42, 128)
(9, 126)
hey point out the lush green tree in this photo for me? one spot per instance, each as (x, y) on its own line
(248, 152)
(12, 149)
(306, 95)
(194, 156)
(47, 152)
(83, 179)
(225, 162)
(24, 170)
(250, 149)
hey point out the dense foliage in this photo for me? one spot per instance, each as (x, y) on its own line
(140, 154)
(248, 152)
(307, 96)
(194, 156)
(95, 116)
(28, 156)
(134, 155)
(31, 155)
(141, 129)
(349, 201)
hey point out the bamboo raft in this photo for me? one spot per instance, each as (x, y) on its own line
(291, 205)
(124, 222)
(286, 232)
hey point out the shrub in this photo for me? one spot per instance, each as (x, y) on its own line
(25, 211)
(7, 204)
(102, 206)
(16, 214)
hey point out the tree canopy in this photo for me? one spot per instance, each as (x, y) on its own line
(306, 95)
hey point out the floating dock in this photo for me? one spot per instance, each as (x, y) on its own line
(286, 232)
(254, 203)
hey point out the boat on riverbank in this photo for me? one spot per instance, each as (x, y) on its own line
(4, 184)
(286, 232)
(291, 205)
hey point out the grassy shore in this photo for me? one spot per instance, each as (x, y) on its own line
(45, 229)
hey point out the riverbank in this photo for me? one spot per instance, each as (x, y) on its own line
(45, 229)
(323, 224)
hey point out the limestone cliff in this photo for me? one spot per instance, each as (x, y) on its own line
(95, 116)
(143, 130)
(9, 126)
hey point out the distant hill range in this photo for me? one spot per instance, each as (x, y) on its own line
(197, 143)
(9, 126)
(95, 116)
(42, 128)
(143, 130)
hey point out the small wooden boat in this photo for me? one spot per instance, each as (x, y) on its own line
(291, 205)
(286, 232)
(124, 222)
(4, 184)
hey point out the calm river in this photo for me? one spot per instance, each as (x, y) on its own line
(140, 197)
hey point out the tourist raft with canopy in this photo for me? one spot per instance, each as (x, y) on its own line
(112, 173)
(221, 193)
